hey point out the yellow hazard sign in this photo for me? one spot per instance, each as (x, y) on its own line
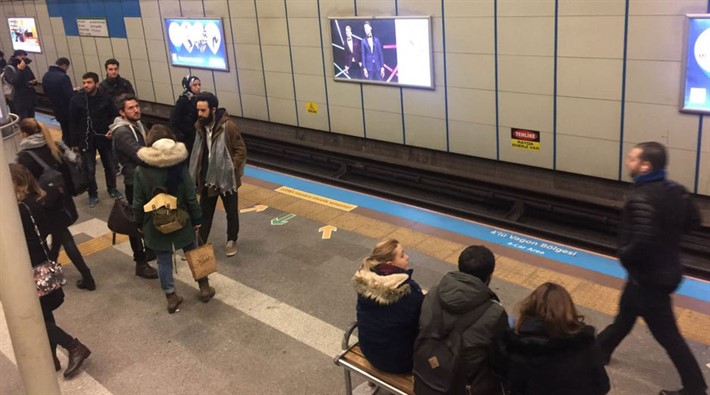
(312, 107)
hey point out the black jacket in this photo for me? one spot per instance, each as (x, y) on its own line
(116, 87)
(536, 364)
(183, 118)
(127, 140)
(57, 86)
(25, 96)
(102, 112)
(656, 213)
(459, 294)
(59, 217)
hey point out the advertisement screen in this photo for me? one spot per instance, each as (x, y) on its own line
(383, 50)
(695, 96)
(23, 34)
(196, 43)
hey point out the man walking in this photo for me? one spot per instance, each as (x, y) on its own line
(18, 74)
(90, 114)
(217, 165)
(656, 213)
(57, 86)
(128, 135)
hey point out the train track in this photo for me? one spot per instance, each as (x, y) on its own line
(582, 224)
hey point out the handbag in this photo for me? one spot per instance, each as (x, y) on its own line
(121, 219)
(49, 275)
(201, 260)
(79, 179)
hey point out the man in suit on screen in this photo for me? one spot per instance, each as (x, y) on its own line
(372, 58)
(353, 55)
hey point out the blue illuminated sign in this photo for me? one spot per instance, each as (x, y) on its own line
(696, 73)
(196, 43)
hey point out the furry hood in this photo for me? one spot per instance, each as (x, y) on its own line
(383, 289)
(163, 153)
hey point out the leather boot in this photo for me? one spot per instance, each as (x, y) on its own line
(77, 354)
(86, 283)
(146, 271)
(206, 292)
(173, 302)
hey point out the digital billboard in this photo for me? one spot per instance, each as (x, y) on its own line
(23, 34)
(383, 50)
(695, 95)
(197, 42)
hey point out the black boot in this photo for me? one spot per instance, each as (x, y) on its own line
(77, 354)
(144, 270)
(173, 302)
(206, 292)
(57, 364)
(86, 282)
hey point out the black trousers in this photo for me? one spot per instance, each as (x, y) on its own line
(208, 204)
(89, 158)
(56, 335)
(137, 245)
(654, 306)
(64, 238)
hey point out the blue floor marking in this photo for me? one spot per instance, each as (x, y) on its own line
(689, 287)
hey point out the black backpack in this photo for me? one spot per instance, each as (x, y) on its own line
(51, 180)
(437, 353)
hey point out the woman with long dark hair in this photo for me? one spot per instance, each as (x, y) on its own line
(35, 223)
(37, 139)
(551, 350)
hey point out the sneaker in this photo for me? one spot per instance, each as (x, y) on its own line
(93, 201)
(231, 248)
(115, 193)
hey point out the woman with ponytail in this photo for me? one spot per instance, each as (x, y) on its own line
(36, 138)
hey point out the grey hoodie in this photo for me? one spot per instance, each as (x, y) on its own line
(128, 138)
(460, 294)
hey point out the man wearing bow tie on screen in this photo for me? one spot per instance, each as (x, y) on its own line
(372, 59)
(353, 55)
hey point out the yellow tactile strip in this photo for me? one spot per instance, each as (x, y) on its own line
(93, 246)
(694, 325)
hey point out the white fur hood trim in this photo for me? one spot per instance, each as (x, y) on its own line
(163, 153)
(382, 289)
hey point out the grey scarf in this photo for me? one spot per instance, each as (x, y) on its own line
(220, 167)
(37, 140)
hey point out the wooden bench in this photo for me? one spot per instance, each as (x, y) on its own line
(352, 360)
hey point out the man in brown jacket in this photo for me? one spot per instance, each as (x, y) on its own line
(217, 165)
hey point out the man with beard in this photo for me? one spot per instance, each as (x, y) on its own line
(90, 114)
(656, 213)
(128, 137)
(217, 165)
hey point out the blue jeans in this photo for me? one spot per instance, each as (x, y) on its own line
(89, 157)
(165, 268)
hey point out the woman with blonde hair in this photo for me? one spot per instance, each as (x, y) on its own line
(37, 139)
(388, 307)
(35, 223)
(551, 350)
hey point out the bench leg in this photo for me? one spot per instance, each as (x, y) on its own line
(348, 383)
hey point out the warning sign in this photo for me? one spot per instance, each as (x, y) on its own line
(312, 107)
(525, 139)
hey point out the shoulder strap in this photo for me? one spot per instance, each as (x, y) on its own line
(37, 159)
(41, 240)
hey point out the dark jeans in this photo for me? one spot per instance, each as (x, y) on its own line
(139, 249)
(208, 204)
(64, 238)
(55, 334)
(89, 157)
(654, 306)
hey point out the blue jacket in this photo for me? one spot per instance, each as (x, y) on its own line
(57, 86)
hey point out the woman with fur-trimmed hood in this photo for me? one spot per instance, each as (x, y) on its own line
(165, 167)
(388, 306)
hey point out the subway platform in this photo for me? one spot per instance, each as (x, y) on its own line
(284, 301)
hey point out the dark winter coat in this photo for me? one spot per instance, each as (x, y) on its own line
(183, 118)
(115, 87)
(53, 300)
(235, 145)
(165, 165)
(656, 213)
(127, 140)
(388, 306)
(57, 86)
(539, 365)
(25, 96)
(459, 294)
(66, 214)
(102, 112)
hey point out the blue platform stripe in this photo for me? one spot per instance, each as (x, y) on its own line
(114, 11)
(690, 287)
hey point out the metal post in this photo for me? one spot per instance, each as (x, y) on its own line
(19, 295)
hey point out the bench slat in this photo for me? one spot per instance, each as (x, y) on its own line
(403, 382)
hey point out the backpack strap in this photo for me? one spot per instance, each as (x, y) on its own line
(37, 159)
